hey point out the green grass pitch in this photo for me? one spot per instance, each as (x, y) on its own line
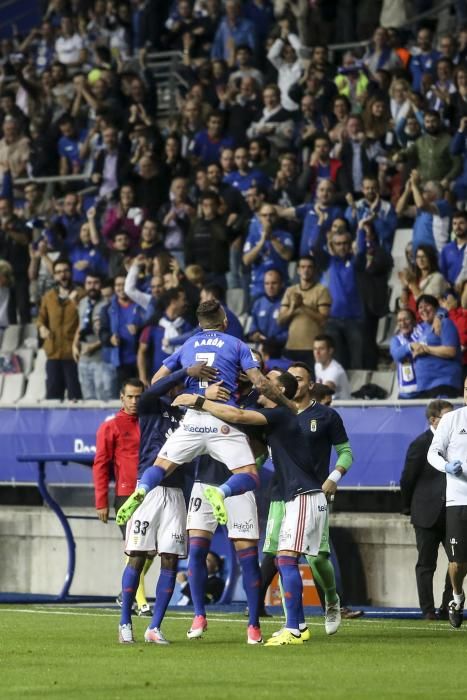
(69, 652)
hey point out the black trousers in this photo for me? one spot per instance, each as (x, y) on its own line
(428, 541)
(61, 375)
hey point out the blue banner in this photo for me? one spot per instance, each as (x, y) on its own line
(379, 437)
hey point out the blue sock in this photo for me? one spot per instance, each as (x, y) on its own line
(130, 582)
(293, 589)
(152, 477)
(198, 572)
(240, 483)
(164, 590)
(251, 574)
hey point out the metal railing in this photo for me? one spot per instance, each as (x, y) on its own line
(165, 66)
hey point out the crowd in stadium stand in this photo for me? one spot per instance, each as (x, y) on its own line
(279, 152)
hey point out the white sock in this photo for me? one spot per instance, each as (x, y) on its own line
(459, 598)
(303, 626)
(294, 631)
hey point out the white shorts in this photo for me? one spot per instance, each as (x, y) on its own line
(242, 523)
(303, 524)
(159, 524)
(199, 434)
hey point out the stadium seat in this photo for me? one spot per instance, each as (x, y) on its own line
(29, 331)
(11, 338)
(13, 388)
(236, 300)
(40, 361)
(386, 328)
(384, 379)
(292, 268)
(27, 359)
(401, 238)
(357, 378)
(35, 390)
(247, 324)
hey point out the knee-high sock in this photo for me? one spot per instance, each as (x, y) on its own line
(268, 571)
(301, 616)
(198, 572)
(140, 594)
(164, 590)
(323, 571)
(251, 574)
(239, 483)
(130, 580)
(293, 590)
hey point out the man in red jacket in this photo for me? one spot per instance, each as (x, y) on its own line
(117, 452)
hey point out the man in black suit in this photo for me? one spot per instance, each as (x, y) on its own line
(423, 492)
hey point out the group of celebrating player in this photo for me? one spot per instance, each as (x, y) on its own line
(233, 415)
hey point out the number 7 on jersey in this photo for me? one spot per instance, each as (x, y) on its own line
(208, 358)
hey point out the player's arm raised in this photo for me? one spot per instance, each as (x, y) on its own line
(264, 386)
(228, 413)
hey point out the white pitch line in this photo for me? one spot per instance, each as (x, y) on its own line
(176, 616)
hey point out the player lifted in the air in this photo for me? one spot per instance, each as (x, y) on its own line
(201, 433)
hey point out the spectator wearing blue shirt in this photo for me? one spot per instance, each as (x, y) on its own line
(233, 28)
(345, 322)
(265, 311)
(266, 247)
(316, 218)
(245, 177)
(208, 143)
(424, 58)
(458, 147)
(69, 145)
(436, 352)
(87, 256)
(120, 322)
(261, 13)
(70, 219)
(431, 212)
(452, 255)
(156, 341)
(401, 353)
(375, 210)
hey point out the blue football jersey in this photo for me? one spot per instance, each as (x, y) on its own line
(225, 353)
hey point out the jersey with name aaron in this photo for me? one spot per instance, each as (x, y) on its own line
(223, 352)
(290, 452)
(157, 420)
(323, 428)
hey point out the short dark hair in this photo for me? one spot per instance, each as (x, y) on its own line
(217, 291)
(169, 296)
(94, 275)
(61, 261)
(309, 258)
(432, 113)
(303, 365)
(289, 383)
(458, 214)
(427, 299)
(434, 408)
(324, 338)
(319, 391)
(132, 381)
(210, 313)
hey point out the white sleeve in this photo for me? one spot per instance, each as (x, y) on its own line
(140, 298)
(438, 448)
(274, 54)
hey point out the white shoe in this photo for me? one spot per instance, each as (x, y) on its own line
(125, 634)
(155, 636)
(332, 617)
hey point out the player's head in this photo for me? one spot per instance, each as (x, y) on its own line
(322, 393)
(129, 395)
(304, 377)
(436, 409)
(211, 315)
(284, 381)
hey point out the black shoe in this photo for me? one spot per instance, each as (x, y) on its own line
(348, 614)
(443, 614)
(456, 613)
(430, 616)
